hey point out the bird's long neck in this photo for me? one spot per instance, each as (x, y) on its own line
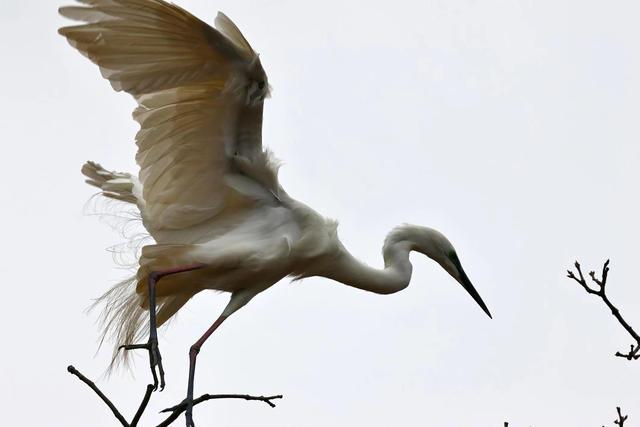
(394, 277)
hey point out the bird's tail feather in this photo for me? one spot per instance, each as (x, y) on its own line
(115, 185)
(124, 317)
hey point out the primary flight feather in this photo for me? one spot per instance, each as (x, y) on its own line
(207, 190)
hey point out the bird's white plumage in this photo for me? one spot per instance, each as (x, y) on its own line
(190, 81)
(207, 190)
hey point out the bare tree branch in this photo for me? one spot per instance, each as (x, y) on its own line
(104, 398)
(175, 410)
(621, 418)
(600, 291)
(181, 407)
(143, 405)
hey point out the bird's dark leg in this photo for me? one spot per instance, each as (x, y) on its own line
(193, 354)
(155, 359)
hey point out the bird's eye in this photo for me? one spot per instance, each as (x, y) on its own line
(261, 85)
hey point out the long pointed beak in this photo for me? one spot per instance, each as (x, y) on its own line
(468, 286)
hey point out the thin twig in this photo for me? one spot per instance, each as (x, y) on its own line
(182, 406)
(621, 418)
(143, 405)
(104, 398)
(600, 290)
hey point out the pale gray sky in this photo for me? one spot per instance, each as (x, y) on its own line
(511, 126)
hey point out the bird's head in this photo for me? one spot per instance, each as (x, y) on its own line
(436, 246)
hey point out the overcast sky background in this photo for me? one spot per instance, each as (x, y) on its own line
(511, 126)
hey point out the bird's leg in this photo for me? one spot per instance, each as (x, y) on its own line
(155, 359)
(193, 354)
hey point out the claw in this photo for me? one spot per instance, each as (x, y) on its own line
(177, 407)
(155, 360)
(187, 405)
(134, 346)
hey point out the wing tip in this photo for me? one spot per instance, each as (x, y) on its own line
(230, 30)
(70, 12)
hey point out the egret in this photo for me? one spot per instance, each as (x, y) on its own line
(207, 190)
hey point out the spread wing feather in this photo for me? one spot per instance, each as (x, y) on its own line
(199, 100)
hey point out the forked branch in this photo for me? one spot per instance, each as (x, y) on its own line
(175, 411)
(105, 399)
(181, 407)
(599, 289)
(621, 418)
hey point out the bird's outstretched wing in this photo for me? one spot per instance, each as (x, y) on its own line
(199, 90)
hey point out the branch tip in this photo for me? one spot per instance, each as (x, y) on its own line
(600, 291)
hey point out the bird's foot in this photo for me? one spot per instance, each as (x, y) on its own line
(155, 359)
(187, 406)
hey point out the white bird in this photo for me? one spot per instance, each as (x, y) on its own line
(207, 190)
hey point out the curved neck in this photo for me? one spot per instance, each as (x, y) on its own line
(394, 277)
